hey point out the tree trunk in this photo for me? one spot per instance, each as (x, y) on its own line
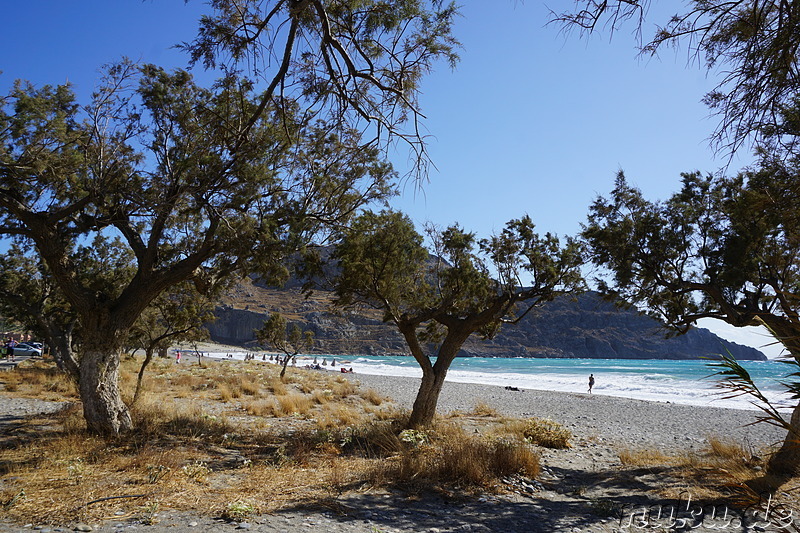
(283, 368)
(148, 356)
(785, 462)
(433, 376)
(427, 398)
(103, 408)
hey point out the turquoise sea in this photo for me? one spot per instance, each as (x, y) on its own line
(658, 380)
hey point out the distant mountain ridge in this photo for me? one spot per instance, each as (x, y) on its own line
(586, 326)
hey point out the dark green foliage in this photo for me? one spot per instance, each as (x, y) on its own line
(452, 293)
(719, 248)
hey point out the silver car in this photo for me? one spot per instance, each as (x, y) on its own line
(27, 349)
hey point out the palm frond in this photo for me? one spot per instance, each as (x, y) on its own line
(735, 381)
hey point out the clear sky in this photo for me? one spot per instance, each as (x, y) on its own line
(531, 120)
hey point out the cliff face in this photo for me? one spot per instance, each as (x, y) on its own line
(582, 327)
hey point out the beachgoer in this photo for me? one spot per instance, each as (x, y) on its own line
(591, 382)
(10, 347)
(178, 356)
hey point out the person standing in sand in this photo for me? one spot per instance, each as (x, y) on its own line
(591, 382)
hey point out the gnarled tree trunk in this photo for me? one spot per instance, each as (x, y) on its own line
(433, 376)
(103, 408)
(427, 398)
(786, 461)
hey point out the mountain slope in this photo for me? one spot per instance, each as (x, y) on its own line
(583, 327)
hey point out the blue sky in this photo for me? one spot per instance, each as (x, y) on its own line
(531, 121)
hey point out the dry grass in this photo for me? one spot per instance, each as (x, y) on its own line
(646, 457)
(372, 396)
(539, 431)
(39, 379)
(233, 436)
(238, 439)
(483, 409)
(446, 454)
(723, 471)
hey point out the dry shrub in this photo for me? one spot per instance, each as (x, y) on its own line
(339, 416)
(448, 455)
(39, 379)
(545, 432)
(187, 381)
(539, 431)
(226, 393)
(277, 387)
(294, 403)
(321, 396)
(262, 407)
(727, 449)
(343, 387)
(249, 387)
(386, 412)
(482, 409)
(645, 457)
(151, 419)
(372, 396)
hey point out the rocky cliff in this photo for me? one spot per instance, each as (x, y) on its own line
(582, 327)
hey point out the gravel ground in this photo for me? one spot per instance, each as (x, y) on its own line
(619, 421)
(564, 499)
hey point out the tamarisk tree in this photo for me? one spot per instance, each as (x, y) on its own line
(291, 340)
(723, 248)
(158, 162)
(465, 286)
(175, 316)
(203, 183)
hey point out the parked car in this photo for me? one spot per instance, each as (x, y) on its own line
(27, 349)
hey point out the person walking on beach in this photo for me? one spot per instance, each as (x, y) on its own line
(178, 356)
(591, 382)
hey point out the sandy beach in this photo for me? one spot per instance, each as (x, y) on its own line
(574, 492)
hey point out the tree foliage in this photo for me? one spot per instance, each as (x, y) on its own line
(289, 339)
(464, 286)
(719, 248)
(361, 61)
(158, 166)
(724, 248)
(753, 44)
